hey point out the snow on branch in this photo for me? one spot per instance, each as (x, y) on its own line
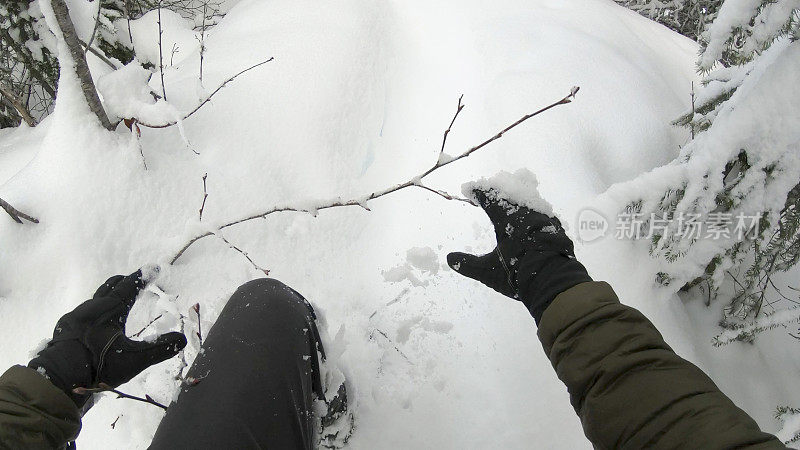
(746, 333)
(415, 182)
(207, 99)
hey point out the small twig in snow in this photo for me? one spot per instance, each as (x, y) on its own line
(691, 122)
(183, 363)
(139, 333)
(114, 423)
(243, 253)
(362, 201)
(372, 336)
(205, 196)
(16, 214)
(199, 333)
(207, 99)
(161, 53)
(175, 49)
(102, 387)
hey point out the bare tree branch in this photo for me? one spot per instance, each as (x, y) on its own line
(207, 99)
(447, 131)
(205, 196)
(243, 253)
(16, 214)
(362, 201)
(99, 55)
(96, 26)
(161, 53)
(139, 333)
(29, 62)
(106, 388)
(17, 104)
(199, 332)
(81, 67)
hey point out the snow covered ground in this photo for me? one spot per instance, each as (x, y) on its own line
(356, 100)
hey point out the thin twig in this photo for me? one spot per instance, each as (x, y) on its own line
(139, 333)
(114, 423)
(96, 26)
(161, 53)
(691, 122)
(183, 363)
(205, 196)
(16, 214)
(207, 99)
(175, 49)
(202, 40)
(445, 195)
(102, 387)
(392, 343)
(450, 127)
(16, 102)
(199, 333)
(99, 55)
(362, 201)
(243, 253)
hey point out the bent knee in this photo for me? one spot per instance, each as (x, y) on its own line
(273, 295)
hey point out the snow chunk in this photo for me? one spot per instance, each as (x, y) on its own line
(150, 272)
(38, 348)
(519, 188)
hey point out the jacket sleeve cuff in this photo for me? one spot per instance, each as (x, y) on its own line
(572, 305)
(33, 411)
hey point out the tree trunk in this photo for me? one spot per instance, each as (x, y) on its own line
(81, 67)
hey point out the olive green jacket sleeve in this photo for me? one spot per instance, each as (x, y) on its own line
(629, 388)
(34, 414)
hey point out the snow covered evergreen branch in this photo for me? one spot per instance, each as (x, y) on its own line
(746, 333)
(443, 160)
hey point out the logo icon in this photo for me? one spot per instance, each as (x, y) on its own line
(591, 225)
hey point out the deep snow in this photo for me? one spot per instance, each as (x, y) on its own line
(356, 100)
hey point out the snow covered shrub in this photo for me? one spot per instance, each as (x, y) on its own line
(688, 17)
(28, 66)
(739, 176)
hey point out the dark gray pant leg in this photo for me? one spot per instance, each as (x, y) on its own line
(258, 371)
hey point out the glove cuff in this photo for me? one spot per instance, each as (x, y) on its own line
(543, 276)
(67, 365)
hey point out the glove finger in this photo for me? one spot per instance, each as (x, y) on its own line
(471, 266)
(106, 287)
(127, 358)
(163, 348)
(487, 269)
(128, 288)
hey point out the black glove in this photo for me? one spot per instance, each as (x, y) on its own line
(89, 345)
(534, 259)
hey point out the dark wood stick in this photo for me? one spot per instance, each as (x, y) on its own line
(16, 214)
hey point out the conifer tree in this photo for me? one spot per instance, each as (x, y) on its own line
(688, 17)
(742, 161)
